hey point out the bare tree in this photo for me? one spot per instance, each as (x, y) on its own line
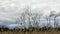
(48, 18)
(39, 18)
(55, 21)
(23, 19)
(52, 13)
(34, 19)
(28, 12)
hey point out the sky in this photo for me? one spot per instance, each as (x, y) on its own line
(10, 9)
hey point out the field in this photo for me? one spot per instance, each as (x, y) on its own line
(35, 31)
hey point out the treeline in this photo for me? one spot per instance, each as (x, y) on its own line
(30, 29)
(33, 20)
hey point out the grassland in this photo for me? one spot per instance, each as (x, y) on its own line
(30, 31)
(34, 32)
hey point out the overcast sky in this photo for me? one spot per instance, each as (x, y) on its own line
(11, 8)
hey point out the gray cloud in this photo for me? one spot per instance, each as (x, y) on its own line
(9, 8)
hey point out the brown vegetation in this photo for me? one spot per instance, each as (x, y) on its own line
(43, 30)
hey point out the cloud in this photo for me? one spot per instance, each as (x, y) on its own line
(11, 9)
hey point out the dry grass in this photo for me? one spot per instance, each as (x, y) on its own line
(30, 32)
(34, 32)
